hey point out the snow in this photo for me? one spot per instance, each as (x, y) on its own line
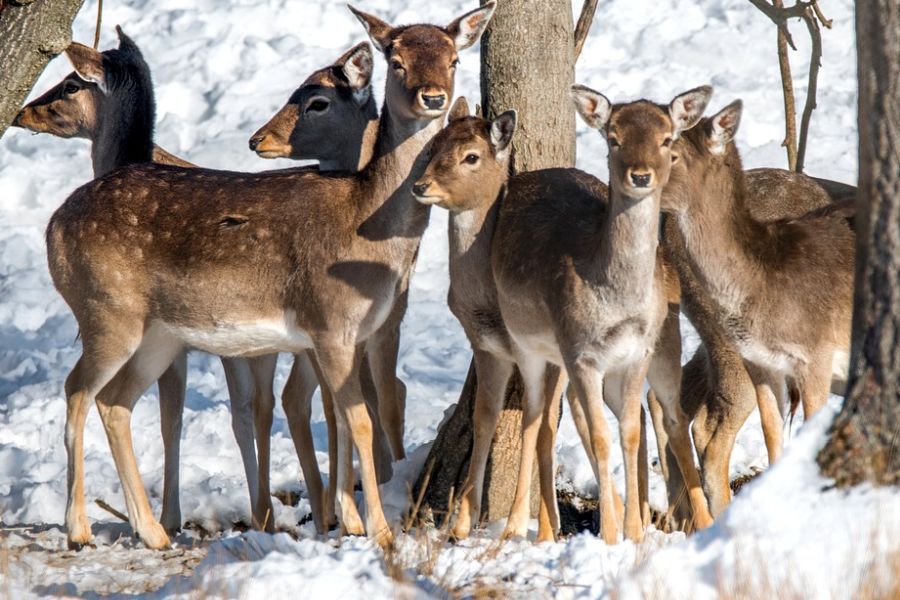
(221, 70)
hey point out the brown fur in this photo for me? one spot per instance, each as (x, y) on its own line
(795, 275)
(316, 256)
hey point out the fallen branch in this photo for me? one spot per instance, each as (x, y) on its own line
(119, 515)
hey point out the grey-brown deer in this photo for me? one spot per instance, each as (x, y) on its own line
(582, 285)
(311, 260)
(468, 175)
(783, 296)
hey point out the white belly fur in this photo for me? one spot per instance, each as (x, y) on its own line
(246, 338)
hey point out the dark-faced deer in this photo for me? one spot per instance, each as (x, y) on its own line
(247, 264)
(332, 117)
(582, 285)
(779, 291)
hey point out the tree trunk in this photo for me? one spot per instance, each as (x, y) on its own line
(31, 33)
(526, 64)
(864, 443)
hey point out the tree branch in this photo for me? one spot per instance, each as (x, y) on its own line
(815, 62)
(583, 26)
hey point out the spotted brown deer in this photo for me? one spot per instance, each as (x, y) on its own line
(782, 299)
(582, 285)
(311, 260)
(77, 107)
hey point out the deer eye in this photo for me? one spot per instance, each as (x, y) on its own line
(71, 88)
(471, 158)
(318, 105)
(454, 64)
(614, 143)
(667, 143)
(397, 65)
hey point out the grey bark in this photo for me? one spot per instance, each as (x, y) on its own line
(864, 442)
(527, 64)
(31, 33)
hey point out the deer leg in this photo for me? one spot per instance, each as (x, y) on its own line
(297, 402)
(340, 366)
(101, 359)
(584, 432)
(383, 459)
(334, 456)
(239, 380)
(263, 369)
(815, 383)
(115, 403)
(532, 369)
(382, 351)
(555, 380)
(771, 416)
(643, 471)
(172, 386)
(492, 377)
(588, 383)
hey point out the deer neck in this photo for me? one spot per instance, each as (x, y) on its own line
(721, 236)
(358, 152)
(628, 243)
(470, 233)
(388, 208)
(124, 134)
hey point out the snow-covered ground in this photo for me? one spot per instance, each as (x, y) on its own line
(221, 69)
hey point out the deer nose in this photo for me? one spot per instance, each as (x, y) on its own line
(17, 121)
(640, 180)
(255, 141)
(434, 101)
(421, 188)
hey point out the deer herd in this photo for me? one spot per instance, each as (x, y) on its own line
(576, 283)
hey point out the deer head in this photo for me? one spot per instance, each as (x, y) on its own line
(72, 107)
(422, 60)
(707, 147)
(336, 97)
(640, 135)
(469, 160)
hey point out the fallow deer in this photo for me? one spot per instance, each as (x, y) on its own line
(247, 264)
(779, 291)
(716, 391)
(581, 285)
(109, 100)
(466, 175)
(332, 117)
(79, 108)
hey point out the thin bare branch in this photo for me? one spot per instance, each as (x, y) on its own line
(583, 26)
(815, 62)
(97, 28)
(787, 87)
(826, 23)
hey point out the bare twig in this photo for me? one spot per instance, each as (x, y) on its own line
(97, 28)
(815, 62)
(583, 26)
(787, 87)
(118, 514)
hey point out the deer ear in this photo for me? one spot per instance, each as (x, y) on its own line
(593, 106)
(467, 29)
(502, 130)
(379, 31)
(724, 126)
(459, 110)
(88, 64)
(686, 109)
(356, 65)
(126, 43)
